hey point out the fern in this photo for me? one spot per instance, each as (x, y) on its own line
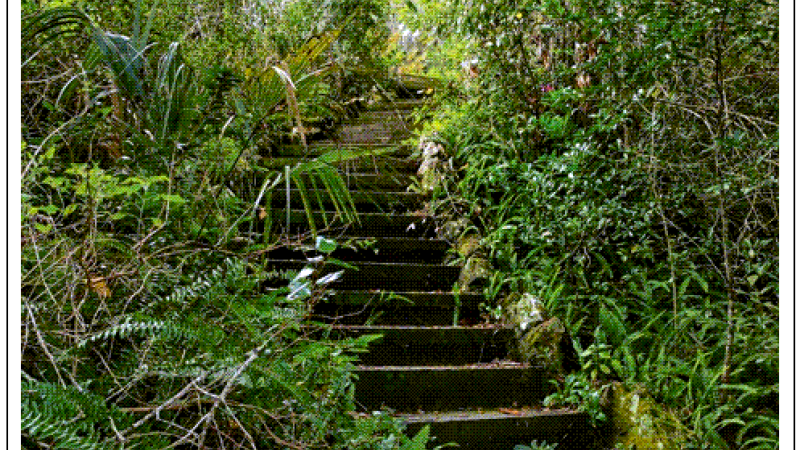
(69, 418)
(163, 329)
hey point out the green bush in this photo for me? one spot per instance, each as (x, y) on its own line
(145, 319)
(621, 159)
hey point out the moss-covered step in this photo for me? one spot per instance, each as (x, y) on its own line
(431, 345)
(504, 428)
(449, 388)
(381, 275)
(385, 249)
(368, 224)
(365, 201)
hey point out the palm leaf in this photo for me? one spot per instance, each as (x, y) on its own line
(53, 23)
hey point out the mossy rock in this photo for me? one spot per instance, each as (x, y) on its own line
(525, 311)
(452, 229)
(477, 270)
(540, 345)
(468, 245)
(640, 423)
(431, 176)
(431, 170)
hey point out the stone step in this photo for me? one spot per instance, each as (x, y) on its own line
(374, 224)
(376, 201)
(448, 388)
(431, 345)
(502, 429)
(384, 249)
(380, 275)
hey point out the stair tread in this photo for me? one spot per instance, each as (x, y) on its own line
(417, 335)
(378, 328)
(361, 296)
(370, 263)
(355, 193)
(493, 366)
(482, 415)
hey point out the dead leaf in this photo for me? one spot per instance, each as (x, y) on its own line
(513, 412)
(98, 286)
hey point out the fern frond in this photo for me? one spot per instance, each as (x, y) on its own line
(70, 418)
(163, 329)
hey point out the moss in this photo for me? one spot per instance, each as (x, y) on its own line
(640, 423)
(476, 269)
(452, 230)
(468, 245)
(431, 170)
(540, 344)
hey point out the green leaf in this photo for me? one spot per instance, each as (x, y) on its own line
(325, 245)
(70, 209)
(419, 441)
(172, 198)
(49, 209)
(43, 228)
(119, 216)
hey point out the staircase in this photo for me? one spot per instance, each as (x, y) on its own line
(437, 364)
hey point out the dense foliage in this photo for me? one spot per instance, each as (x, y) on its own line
(621, 159)
(147, 131)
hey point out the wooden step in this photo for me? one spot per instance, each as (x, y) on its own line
(378, 181)
(405, 308)
(397, 105)
(380, 275)
(366, 164)
(379, 115)
(372, 132)
(372, 181)
(431, 345)
(384, 249)
(389, 299)
(502, 429)
(448, 388)
(376, 201)
(374, 224)
(367, 148)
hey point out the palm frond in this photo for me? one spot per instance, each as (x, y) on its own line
(52, 23)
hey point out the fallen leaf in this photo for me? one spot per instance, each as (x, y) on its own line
(513, 412)
(98, 286)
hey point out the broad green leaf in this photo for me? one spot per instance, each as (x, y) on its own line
(325, 245)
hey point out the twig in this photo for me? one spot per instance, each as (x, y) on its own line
(169, 402)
